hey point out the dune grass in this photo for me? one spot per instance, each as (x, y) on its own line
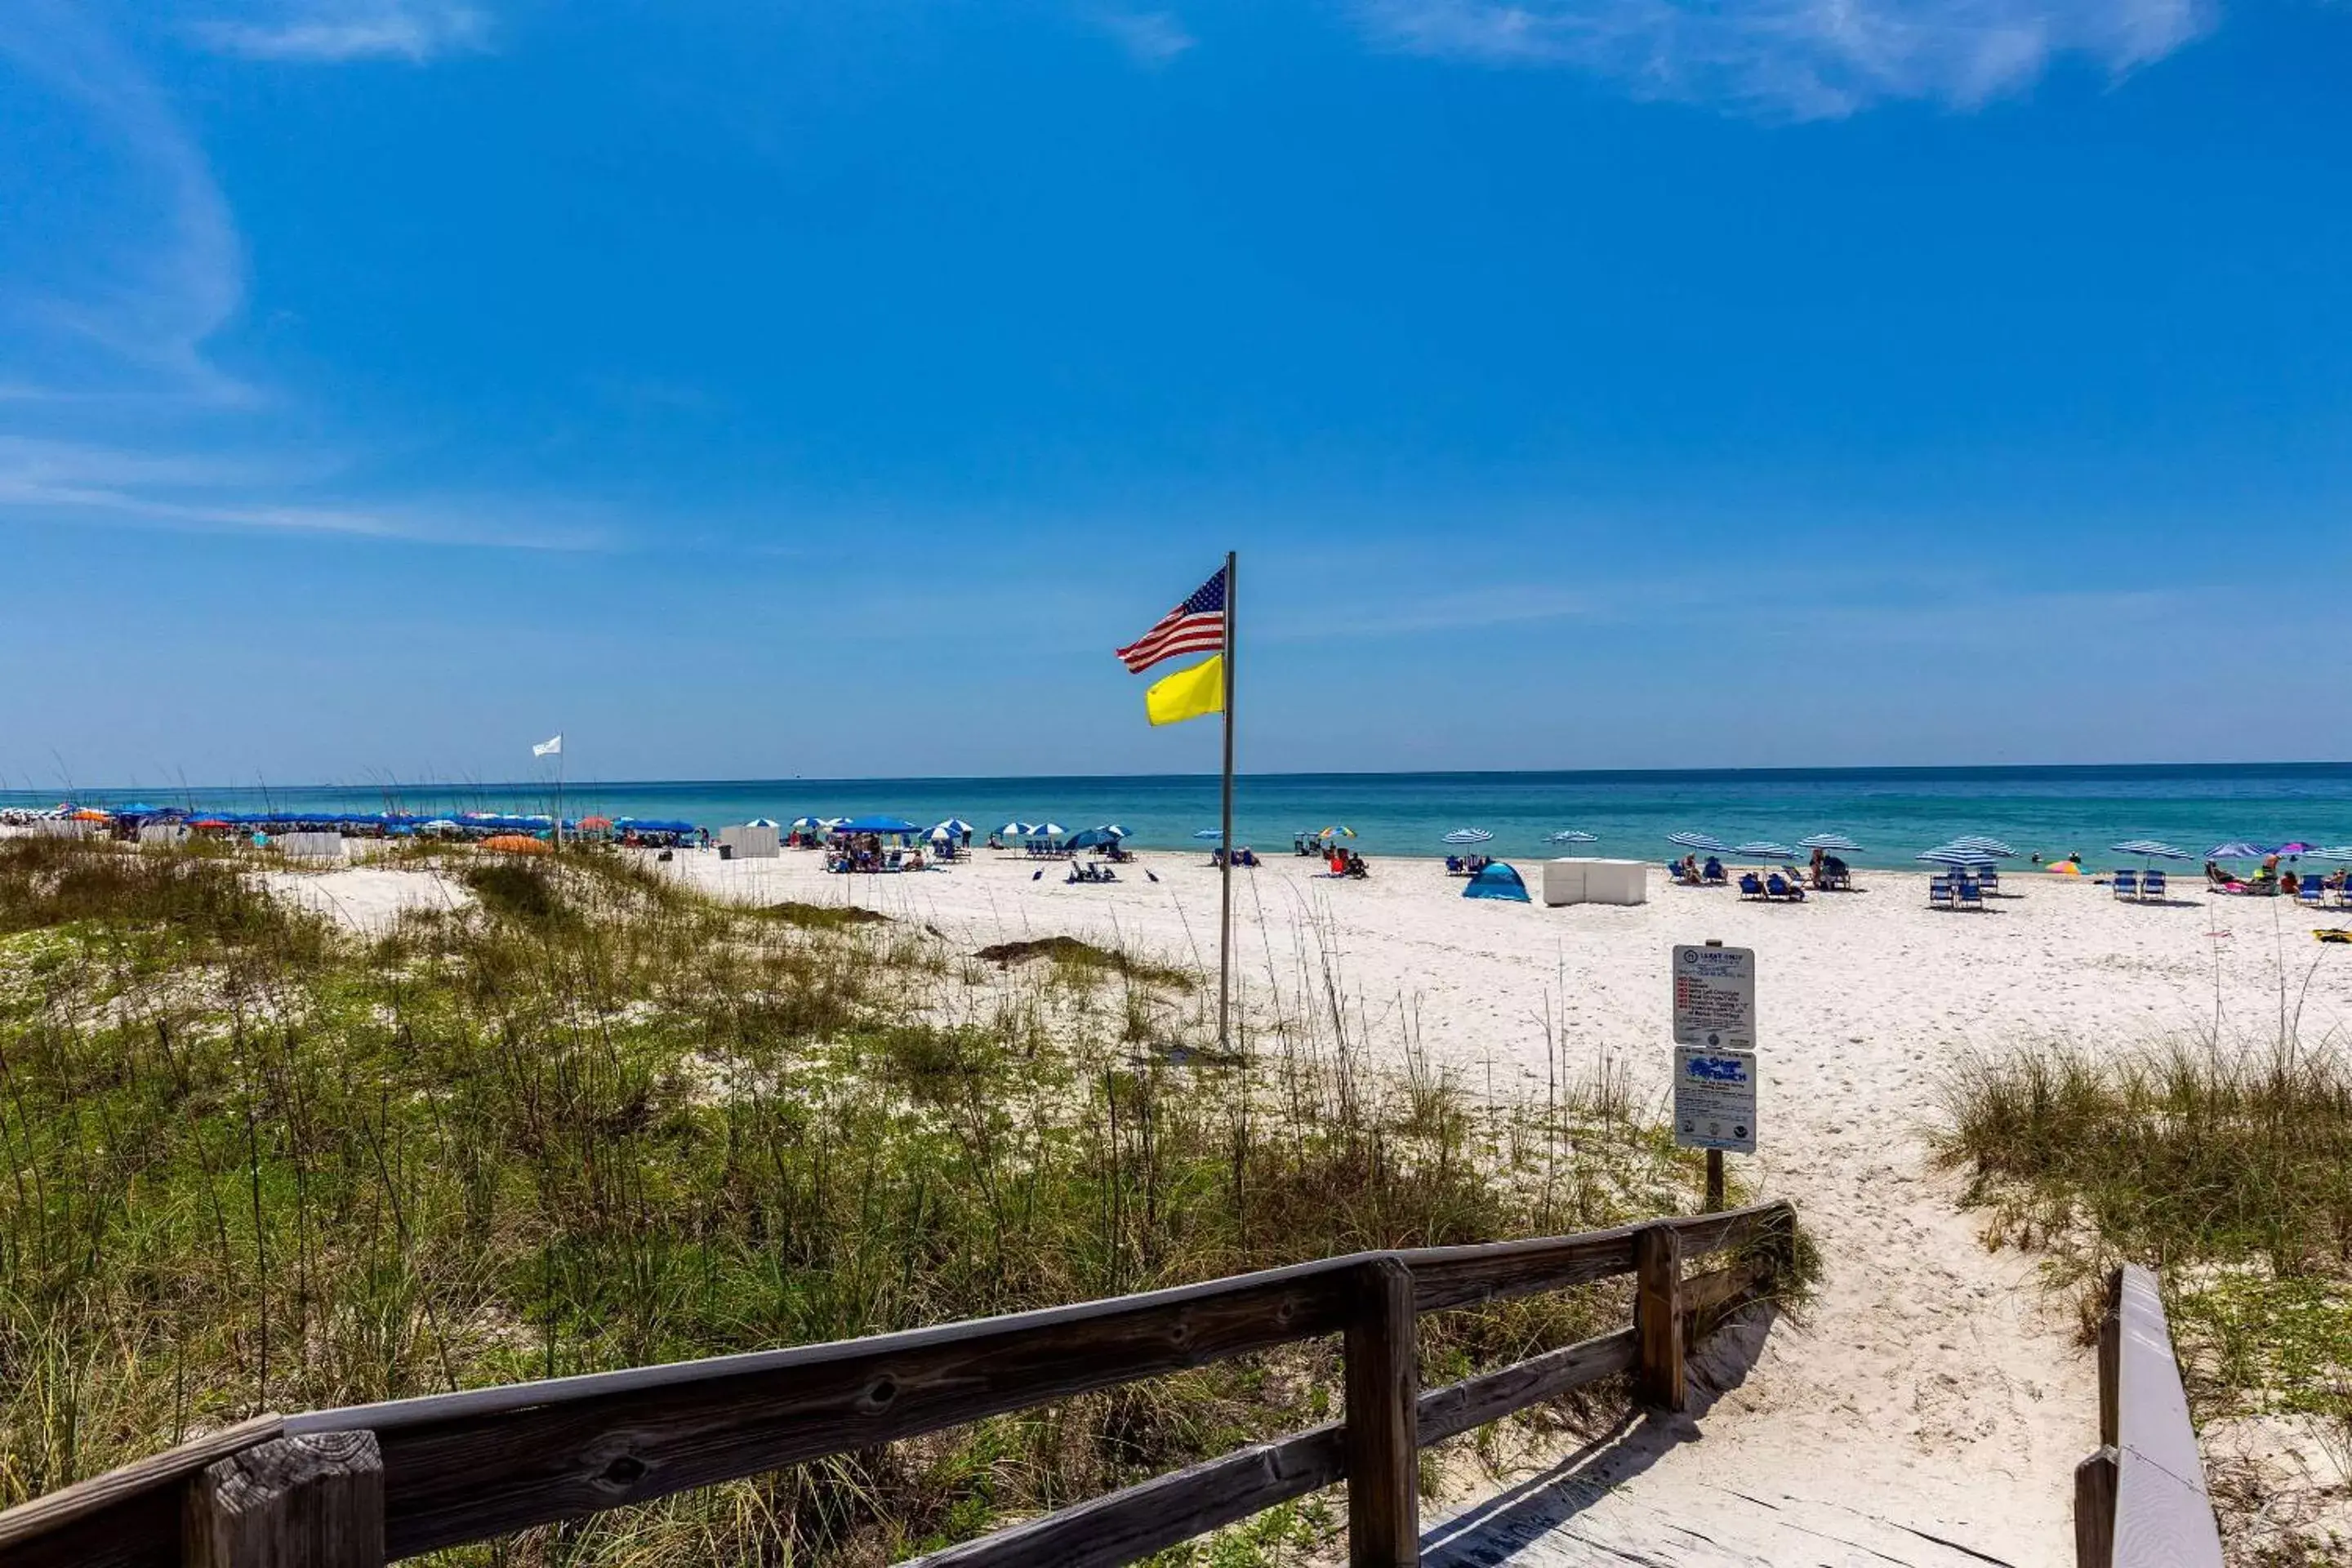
(253, 1161)
(2226, 1164)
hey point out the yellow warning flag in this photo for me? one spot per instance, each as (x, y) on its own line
(1188, 693)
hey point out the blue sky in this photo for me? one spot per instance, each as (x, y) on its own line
(826, 388)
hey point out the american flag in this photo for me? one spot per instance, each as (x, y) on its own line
(1196, 626)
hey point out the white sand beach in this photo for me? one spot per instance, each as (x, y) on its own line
(1931, 1404)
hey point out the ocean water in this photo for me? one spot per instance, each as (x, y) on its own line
(1894, 812)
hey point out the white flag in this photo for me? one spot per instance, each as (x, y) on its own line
(552, 748)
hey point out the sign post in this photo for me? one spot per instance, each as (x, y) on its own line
(1714, 1055)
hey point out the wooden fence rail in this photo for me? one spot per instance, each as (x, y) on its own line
(2140, 1500)
(355, 1488)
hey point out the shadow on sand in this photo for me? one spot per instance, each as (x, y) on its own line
(1493, 1532)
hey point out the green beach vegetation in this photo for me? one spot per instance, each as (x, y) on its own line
(582, 1118)
(2226, 1164)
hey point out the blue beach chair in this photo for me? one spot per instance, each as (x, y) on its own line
(1939, 892)
(1750, 886)
(1965, 893)
(2151, 886)
(2127, 884)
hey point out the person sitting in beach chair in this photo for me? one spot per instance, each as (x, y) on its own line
(2290, 883)
(1779, 886)
(1835, 874)
(2217, 878)
(1356, 867)
(1248, 859)
(1750, 885)
(1712, 874)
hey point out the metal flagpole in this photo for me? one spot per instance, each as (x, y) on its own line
(1225, 891)
(559, 792)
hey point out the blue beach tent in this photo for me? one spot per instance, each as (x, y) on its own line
(1497, 881)
(879, 825)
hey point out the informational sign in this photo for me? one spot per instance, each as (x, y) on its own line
(1714, 998)
(1714, 1100)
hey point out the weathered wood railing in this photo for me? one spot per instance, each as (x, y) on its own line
(2140, 1500)
(353, 1488)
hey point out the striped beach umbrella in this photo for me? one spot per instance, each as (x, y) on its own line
(2236, 850)
(1468, 835)
(2150, 849)
(1015, 830)
(1764, 849)
(1047, 830)
(1209, 833)
(1570, 836)
(1993, 846)
(1837, 841)
(2334, 854)
(954, 825)
(1960, 858)
(1699, 841)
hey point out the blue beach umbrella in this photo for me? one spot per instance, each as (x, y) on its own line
(880, 825)
(1834, 841)
(1704, 843)
(763, 822)
(955, 825)
(2150, 849)
(2334, 854)
(1014, 830)
(1209, 833)
(1047, 830)
(1765, 849)
(2236, 850)
(1570, 836)
(1960, 858)
(1993, 846)
(1467, 836)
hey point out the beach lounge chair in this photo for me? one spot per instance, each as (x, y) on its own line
(1966, 893)
(1776, 886)
(2151, 886)
(1939, 890)
(1712, 873)
(1750, 887)
(1991, 882)
(2312, 893)
(2127, 884)
(1454, 866)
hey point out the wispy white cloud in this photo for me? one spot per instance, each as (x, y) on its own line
(327, 32)
(63, 481)
(166, 284)
(1802, 59)
(1149, 37)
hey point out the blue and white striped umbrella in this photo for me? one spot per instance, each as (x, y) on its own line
(955, 825)
(1570, 836)
(763, 822)
(2236, 850)
(2334, 854)
(829, 823)
(803, 824)
(1828, 841)
(1960, 857)
(1699, 841)
(1468, 835)
(1764, 849)
(1046, 830)
(1115, 830)
(1015, 830)
(1209, 833)
(1993, 846)
(2150, 849)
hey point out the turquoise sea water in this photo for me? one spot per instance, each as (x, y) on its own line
(1896, 812)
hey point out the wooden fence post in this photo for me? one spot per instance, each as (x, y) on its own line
(1382, 1437)
(2095, 1510)
(1658, 1317)
(296, 1503)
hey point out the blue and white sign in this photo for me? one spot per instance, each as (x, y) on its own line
(1714, 1100)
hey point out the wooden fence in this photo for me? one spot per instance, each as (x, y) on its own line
(2140, 1500)
(353, 1488)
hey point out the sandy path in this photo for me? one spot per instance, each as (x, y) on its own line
(1930, 1406)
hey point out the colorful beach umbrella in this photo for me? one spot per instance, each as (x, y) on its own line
(1340, 832)
(518, 844)
(2295, 846)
